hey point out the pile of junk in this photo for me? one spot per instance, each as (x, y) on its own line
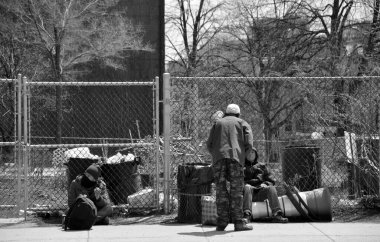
(129, 191)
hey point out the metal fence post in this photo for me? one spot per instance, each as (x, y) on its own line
(378, 133)
(19, 139)
(25, 142)
(157, 133)
(166, 132)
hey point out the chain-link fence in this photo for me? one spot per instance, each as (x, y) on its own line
(64, 128)
(312, 132)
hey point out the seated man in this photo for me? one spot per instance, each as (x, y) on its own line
(259, 185)
(90, 184)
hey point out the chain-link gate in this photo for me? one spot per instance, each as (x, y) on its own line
(11, 178)
(311, 131)
(8, 166)
(65, 127)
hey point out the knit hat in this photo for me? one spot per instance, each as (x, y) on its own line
(94, 171)
(232, 109)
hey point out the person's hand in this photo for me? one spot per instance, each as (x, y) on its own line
(97, 192)
(101, 184)
(263, 185)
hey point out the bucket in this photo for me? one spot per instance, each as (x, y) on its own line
(262, 209)
(318, 200)
(122, 180)
(193, 181)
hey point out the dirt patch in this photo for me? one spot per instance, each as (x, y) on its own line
(362, 215)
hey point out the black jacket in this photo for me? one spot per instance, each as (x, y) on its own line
(258, 174)
(77, 189)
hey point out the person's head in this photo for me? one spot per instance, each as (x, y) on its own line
(91, 175)
(251, 157)
(217, 115)
(92, 172)
(233, 110)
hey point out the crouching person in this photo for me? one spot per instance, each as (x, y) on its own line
(91, 185)
(259, 186)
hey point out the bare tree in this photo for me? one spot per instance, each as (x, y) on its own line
(16, 56)
(349, 104)
(340, 21)
(72, 32)
(192, 26)
(267, 39)
(368, 51)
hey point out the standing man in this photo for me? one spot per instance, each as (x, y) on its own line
(229, 142)
(90, 185)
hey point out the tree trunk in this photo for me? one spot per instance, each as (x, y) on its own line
(369, 50)
(340, 116)
(58, 95)
(58, 89)
(268, 139)
(377, 125)
(374, 28)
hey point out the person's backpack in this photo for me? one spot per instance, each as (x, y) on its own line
(81, 215)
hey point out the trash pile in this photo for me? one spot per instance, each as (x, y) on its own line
(115, 159)
(125, 184)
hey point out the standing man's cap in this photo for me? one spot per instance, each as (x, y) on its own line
(233, 109)
(94, 171)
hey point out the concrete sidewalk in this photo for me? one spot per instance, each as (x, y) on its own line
(195, 232)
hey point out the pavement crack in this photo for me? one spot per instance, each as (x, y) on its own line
(322, 232)
(205, 235)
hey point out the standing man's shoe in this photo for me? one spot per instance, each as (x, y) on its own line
(221, 227)
(242, 226)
